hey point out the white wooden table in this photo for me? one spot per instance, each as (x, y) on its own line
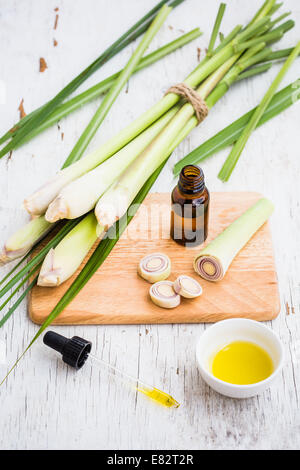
(45, 405)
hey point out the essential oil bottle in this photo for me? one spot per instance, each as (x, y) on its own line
(190, 208)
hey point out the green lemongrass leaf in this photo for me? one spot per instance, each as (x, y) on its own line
(276, 55)
(24, 280)
(136, 30)
(216, 29)
(17, 303)
(230, 134)
(115, 90)
(236, 152)
(15, 267)
(95, 261)
(252, 71)
(100, 88)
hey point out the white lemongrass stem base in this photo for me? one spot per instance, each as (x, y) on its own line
(62, 261)
(81, 195)
(23, 239)
(214, 260)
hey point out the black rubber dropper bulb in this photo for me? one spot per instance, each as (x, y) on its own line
(74, 351)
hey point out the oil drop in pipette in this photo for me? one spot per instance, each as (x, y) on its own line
(76, 351)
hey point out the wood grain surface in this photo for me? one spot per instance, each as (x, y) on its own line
(117, 295)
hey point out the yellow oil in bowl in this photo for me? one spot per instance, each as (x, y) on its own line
(242, 363)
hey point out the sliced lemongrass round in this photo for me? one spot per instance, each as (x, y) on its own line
(187, 287)
(209, 267)
(155, 267)
(163, 295)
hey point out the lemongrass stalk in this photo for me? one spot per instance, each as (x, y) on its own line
(135, 31)
(82, 194)
(268, 8)
(276, 55)
(216, 29)
(214, 260)
(19, 244)
(229, 135)
(279, 18)
(247, 62)
(275, 8)
(227, 39)
(114, 203)
(35, 260)
(251, 72)
(38, 202)
(24, 280)
(100, 88)
(61, 262)
(121, 81)
(285, 27)
(249, 58)
(116, 200)
(238, 34)
(236, 152)
(254, 30)
(14, 307)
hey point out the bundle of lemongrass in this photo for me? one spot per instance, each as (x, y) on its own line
(94, 193)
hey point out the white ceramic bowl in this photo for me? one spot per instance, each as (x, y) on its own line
(238, 329)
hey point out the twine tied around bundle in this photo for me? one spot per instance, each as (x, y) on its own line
(190, 95)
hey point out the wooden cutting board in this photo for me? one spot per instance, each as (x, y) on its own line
(117, 295)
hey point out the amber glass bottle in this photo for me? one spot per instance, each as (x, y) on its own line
(190, 208)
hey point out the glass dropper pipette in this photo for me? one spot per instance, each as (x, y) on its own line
(76, 351)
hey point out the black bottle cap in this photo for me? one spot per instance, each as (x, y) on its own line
(74, 351)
